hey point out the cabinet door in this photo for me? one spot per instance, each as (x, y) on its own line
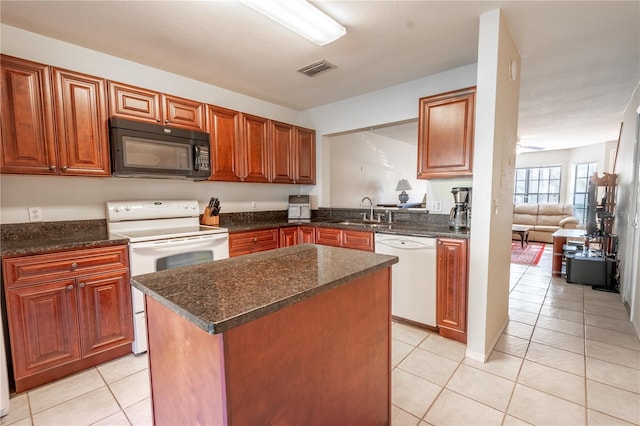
(306, 235)
(43, 326)
(104, 308)
(252, 241)
(183, 113)
(451, 284)
(445, 134)
(134, 103)
(255, 138)
(329, 236)
(360, 240)
(305, 156)
(226, 153)
(289, 236)
(81, 118)
(27, 138)
(281, 152)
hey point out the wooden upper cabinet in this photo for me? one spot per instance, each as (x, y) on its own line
(154, 107)
(54, 121)
(293, 154)
(134, 103)
(255, 148)
(305, 156)
(281, 152)
(226, 144)
(81, 118)
(27, 138)
(184, 113)
(445, 134)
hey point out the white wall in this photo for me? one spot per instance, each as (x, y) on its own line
(495, 142)
(367, 164)
(628, 208)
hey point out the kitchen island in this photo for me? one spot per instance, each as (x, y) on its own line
(299, 335)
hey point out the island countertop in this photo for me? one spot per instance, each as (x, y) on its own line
(217, 296)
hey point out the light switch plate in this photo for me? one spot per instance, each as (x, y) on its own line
(436, 206)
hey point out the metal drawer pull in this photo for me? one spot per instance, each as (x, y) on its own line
(82, 285)
(70, 287)
(74, 265)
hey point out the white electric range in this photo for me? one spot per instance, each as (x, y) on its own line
(163, 234)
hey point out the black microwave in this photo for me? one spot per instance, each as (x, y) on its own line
(155, 151)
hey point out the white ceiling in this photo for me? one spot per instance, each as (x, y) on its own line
(580, 59)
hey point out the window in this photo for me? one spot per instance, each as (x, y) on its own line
(537, 185)
(583, 173)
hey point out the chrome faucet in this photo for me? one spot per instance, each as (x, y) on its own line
(370, 205)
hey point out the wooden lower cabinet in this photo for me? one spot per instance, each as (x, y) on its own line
(451, 288)
(360, 240)
(294, 235)
(65, 313)
(306, 234)
(252, 241)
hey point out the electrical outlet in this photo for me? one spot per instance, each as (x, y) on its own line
(254, 205)
(35, 214)
(436, 206)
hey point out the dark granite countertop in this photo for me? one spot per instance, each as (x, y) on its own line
(46, 237)
(399, 228)
(224, 294)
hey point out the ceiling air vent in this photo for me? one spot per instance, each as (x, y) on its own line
(316, 68)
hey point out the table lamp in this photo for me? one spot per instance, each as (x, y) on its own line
(403, 185)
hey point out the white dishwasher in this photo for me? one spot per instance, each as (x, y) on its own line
(413, 294)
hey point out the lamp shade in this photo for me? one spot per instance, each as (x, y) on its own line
(403, 185)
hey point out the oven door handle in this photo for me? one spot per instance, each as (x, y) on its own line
(177, 242)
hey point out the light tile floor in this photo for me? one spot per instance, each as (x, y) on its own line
(568, 356)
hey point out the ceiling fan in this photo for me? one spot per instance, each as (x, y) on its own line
(520, 147)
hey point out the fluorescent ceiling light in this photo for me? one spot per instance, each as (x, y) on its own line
(302, 17)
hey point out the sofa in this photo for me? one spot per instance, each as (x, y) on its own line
(544, 219)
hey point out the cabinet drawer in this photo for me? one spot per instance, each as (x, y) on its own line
(27, 270)
(361, 240)
(253, 241)
(329, 236)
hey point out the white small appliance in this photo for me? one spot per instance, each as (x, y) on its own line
(162, 235)
(299, 208)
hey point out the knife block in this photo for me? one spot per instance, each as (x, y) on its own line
(206, 219)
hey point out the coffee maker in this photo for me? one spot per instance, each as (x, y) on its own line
(461, 212)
